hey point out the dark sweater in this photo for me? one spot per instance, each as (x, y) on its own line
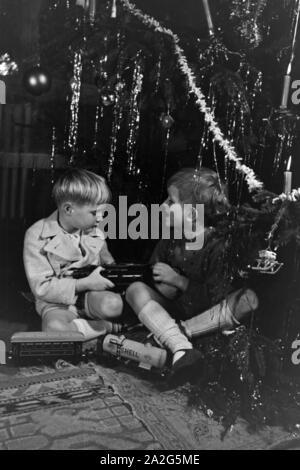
(204, 268)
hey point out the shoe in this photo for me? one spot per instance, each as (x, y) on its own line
(186, 368)
(105, 326)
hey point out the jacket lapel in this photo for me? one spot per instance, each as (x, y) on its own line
(61, 247)
(58, 243)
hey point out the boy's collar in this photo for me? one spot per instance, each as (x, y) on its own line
(52, 228)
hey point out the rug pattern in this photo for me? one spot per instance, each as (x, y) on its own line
(69, 410)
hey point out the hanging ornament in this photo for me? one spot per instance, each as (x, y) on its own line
(107, 97)
(37, 81)
(267, 263)
(166, 120)
(74, 106)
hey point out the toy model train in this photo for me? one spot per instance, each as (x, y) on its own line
(122, 275)
(30, 348)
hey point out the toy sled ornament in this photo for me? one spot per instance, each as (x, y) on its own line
(267, 262)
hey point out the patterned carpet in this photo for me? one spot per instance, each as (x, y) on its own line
(70, 409)
(98, 407)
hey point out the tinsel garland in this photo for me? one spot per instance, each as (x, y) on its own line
(230, 153)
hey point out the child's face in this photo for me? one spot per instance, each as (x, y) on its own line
(87, 216)
(174, 215)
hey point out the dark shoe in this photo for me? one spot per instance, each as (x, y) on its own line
(186, 368)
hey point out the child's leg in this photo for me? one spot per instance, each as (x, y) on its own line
(58, 319)
(103, 305)
(102, 308)
(147, 305)
(227, 314)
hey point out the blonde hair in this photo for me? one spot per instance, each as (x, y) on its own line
(81, 187)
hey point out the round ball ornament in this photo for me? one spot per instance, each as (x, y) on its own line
(37, 81)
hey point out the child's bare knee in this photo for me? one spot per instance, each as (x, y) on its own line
(109, 305)
(54, 325)
(134, 290)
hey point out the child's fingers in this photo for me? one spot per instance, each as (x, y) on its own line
(157, 272)
(110, 284)
(157, 277)
(99, 269)
(68, 273)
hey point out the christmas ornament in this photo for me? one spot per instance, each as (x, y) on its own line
(107, 97)
(267, 262)
(37, 81)
(166, 120)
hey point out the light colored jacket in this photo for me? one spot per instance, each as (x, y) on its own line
(49, 253)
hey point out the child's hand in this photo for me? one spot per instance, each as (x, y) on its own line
(96, 282)
(162, 272)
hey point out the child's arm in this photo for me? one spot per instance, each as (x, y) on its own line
(163, 283)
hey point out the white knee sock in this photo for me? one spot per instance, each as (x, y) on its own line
(164, 327)
(222, 316)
